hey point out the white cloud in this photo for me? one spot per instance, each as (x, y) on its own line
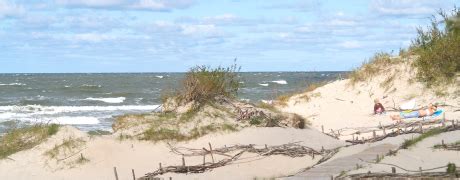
(8, 9)
(405, 7)
(90, 3)
(155, 5)
(350, 44)
(206, 30)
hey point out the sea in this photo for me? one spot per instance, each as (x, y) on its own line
(92, 101)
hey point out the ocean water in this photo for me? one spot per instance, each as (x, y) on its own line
(90, 101)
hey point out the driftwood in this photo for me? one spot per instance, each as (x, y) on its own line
(191, 169)
(429, 175)
(400, 131)
(291, 150)
(450, 147)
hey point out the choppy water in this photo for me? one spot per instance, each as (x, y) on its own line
(89, 101)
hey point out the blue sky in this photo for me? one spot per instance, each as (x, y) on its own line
(174, 35)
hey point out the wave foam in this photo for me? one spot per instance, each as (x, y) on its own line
(62, 109)
(160, 77)
(13, 84)
(108, 100)
(280, 82)
(263, 84)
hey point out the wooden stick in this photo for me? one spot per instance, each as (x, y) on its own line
(115, 172)
(134, 175)
(204, 159)
(183, 161)
(322, 128)
(210, 149)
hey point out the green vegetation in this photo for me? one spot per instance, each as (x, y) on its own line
(98, 132)
(451, 169)
(410, 142)
(438, 48)
(203, 84)
(257, 120)
(24, 138)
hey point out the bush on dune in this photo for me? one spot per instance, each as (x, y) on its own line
(439, 50)
(203, 83)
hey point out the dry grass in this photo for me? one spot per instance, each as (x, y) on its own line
(66, 148)
(20, 139)
(378, 64)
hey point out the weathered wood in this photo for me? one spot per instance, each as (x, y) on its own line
(134, 175)
(183, 161)
(115, 172)
(210, 150)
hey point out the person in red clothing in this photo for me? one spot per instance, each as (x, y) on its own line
(378, 107)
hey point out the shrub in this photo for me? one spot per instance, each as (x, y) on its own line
(438, 48)
(203, 83)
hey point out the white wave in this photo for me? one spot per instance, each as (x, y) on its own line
(38, 109)
(13, 84)
(241, 82)
(91, 86)
(161, 77)
(263, 84)
(280, 82)
(75, 120)
(108, 100)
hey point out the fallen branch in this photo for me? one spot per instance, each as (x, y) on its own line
(291, 150)
(191, 169)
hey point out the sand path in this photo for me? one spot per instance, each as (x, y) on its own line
(336, 166)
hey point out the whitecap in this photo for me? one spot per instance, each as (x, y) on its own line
(38, 109)
(161, 77)
(13, 84)
(267, 101)
(263, 84)
(280, 82)
(91, 86)
(108, 100)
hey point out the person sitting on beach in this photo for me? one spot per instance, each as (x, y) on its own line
(416, 114)
(378, 107)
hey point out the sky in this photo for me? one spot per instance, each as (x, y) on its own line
(71, 36)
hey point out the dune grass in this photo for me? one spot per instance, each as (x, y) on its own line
(203, 83)
(68, 146)
(156, 134)
(411, 142)
(24, 138)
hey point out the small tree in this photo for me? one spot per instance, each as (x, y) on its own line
(438, 48)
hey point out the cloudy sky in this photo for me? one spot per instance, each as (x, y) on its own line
(174, 35)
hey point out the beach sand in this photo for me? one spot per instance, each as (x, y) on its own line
(106, 152)
(337, 106)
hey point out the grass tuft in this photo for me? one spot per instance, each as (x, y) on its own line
(410, 142)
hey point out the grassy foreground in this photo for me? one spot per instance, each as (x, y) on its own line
(25, 138)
